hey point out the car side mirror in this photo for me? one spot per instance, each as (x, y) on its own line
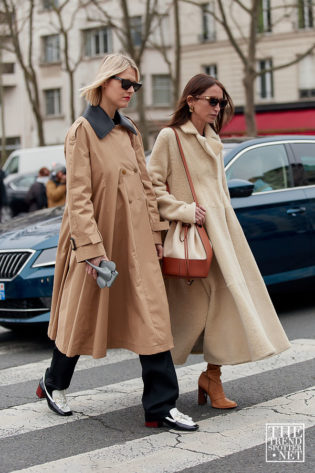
(240, 188)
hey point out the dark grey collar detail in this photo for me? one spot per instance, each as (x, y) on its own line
(102, 124)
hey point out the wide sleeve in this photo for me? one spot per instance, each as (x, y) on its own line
(85, 237)
(160, 171)
(154, 216)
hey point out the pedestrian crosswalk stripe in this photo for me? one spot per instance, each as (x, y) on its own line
(28, 417)
(33, 371)
(173, 451)
(18, 374)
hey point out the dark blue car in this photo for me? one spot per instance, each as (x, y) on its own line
(27, 264)
(276, 203)
(272, 186)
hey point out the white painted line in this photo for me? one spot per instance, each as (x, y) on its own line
(33, 371)
(170, 452)
(34, 416)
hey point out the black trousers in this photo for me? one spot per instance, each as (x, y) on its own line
(160, 386)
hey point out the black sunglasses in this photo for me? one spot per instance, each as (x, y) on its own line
(213, 101)
(126, 83)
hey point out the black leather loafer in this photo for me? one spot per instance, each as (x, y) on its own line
(176, 420)
(56, 400)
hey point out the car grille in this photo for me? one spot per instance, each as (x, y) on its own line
(11, 263)
(24, 308)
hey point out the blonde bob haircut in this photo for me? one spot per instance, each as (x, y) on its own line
(112, 65)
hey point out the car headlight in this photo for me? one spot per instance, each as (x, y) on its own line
(46, 258)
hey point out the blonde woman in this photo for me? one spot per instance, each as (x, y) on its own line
(111, 214)
(227, 316)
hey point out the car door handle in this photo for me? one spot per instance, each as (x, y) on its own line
(293, 212)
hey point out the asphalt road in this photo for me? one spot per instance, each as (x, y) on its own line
(107, 433)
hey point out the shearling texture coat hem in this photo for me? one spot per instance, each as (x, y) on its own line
(227, 316)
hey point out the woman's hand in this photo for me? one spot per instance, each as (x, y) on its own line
(159, 251)
(200, 215)
(96, 261)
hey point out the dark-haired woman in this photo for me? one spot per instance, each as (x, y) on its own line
(227, 316)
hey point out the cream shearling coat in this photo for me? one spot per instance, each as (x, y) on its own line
(228, 316)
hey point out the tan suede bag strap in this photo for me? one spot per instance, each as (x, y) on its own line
(186, 167)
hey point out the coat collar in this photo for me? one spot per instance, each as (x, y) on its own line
(102, 124)
(211, 142)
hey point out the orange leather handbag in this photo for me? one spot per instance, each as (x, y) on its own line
(187, 248)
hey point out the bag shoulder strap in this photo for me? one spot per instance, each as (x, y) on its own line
(186, 167)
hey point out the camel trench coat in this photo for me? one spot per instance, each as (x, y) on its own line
(110, 207)
(228, 316)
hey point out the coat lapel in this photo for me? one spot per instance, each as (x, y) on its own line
(210, 143)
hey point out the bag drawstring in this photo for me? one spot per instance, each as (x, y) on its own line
(184, 239)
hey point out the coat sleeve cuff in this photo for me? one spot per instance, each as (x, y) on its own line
(160, 226)
(188, 213)
(89, 251)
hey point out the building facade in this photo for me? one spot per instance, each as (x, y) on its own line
(88, 32)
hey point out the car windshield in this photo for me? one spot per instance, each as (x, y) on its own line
(227, 147)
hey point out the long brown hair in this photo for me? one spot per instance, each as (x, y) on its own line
(197, 86)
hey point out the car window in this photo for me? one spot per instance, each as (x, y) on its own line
(13, 165)
(305, 153)
(25, 181)
(267, 167)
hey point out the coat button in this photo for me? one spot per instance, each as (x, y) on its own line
(124, 171)
(135, 170)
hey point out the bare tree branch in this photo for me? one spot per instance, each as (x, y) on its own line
(230, 35)
(299, 58)
(70, 65)
(199, 5)
(236, 22)
(241, 4)
(30, 77)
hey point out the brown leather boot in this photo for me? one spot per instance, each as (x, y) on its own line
(210, 383)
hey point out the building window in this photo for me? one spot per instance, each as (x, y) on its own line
(3, 18)
(11, 144)
(52, 102)
(136, 30)
(305, 14)
(161, 90)
(97, 41)
(49, 4)
(208, 32)
(265, 80)
(7, 68)
(264, 17)
(307, 93)
(51, 47)
(211, 70)
(307, 77)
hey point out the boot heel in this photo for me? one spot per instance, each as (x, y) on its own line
(202, 396)
(40, 392)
